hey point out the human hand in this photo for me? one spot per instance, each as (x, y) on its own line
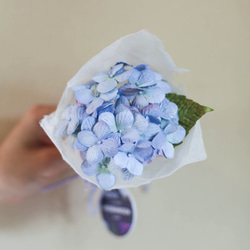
(28, 159)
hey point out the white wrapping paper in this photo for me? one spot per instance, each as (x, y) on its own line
(139, 48)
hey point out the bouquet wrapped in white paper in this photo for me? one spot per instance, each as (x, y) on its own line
(121, 121)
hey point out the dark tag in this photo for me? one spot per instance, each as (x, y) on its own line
(117, 210)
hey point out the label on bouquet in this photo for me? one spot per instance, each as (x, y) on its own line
(118, 211)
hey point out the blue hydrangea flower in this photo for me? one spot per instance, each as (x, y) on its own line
(71, 118)
(107, 80)
(101, 171)
(97, 143)
(142, 96)
(132, 158)
(164, 140)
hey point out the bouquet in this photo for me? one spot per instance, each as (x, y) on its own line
(121, 121)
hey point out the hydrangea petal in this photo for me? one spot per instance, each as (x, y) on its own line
(122, 100)
(61, 128)
(96, 103)
(121, 159)
(152, 130)
(131, 136)
(169, 110)
(159, 140)
(126, 175)
(164, 86)
(152, 110)
(154, 95)
(109, 95)
(79, 146)
(88, 123)
(106, 85)
(124, 120)
(168, 150)
(177, 136)
(89, 170)
(101, 129)
(72, 126)
(134, 166)
(106, 180)
(140, 102)
(84, 96)
(87, 138)
(123, 76)
(143, 154)
(106, 107)
(128, 90)
(109, 119)
(116, 69)
(146, 78)
(94, 154)
(127, 147)
(109, 147)
(140, 123)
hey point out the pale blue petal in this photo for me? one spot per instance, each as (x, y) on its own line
(127, 147)
(121, 108)
(141, 67)
(121, 159)
(134, 166)
(143, 144)
(143, 154)
(106, 85)
(89, 170)
(140, 102)
(131, 136)
(126, 175)
(159, 140)
(109, 95)
(84, 96)
(152, 130)
(94, 154)
(134, 76)
(80, 113)
(106, 107)
(147, 77)
(128, 90)
(101, 76)
(79, 146)
(109, 147)
(123, 76)
(140, 123)
(87, 138)
(116, 69)
(177, 136)
(152, 110)
(154, 95)
(61, 128)
(101, 130)
(66, 114)
(96, 103)
(106, 180)
(158, 76)
(122, 100)
(169, 110)
(109, 119)
(124, 120)
(72, 126)
(168, 150)
(164, 86)
(88, 123)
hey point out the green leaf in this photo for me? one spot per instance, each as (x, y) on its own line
(188, 110)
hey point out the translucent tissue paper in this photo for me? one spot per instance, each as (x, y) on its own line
(141, 48)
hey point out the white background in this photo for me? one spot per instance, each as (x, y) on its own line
(203, 206)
